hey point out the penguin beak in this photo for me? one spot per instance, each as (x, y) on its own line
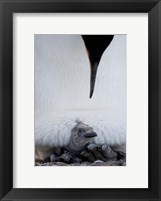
(90, 135)
(93, 78)
(93, 62)
(95, 46)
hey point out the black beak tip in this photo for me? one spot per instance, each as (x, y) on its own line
(94, 134)
(91, 94)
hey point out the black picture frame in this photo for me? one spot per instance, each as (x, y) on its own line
(7, 8)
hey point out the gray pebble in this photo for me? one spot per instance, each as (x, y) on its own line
(108, 152)
(65, 157)
(87, 156)
(94, 149)
(53, 158)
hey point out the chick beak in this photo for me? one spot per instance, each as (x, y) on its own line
(90, 135)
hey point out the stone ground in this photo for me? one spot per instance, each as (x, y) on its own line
(121, 162)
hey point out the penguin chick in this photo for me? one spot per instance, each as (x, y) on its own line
(81, 135)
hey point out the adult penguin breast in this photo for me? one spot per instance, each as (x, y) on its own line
(95, 46)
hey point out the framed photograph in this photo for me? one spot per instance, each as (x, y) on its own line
(80, 100)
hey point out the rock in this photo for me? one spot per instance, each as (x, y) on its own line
(57, 151)
(87, 156)
(76, 160)
(53, 158)
(65, 157)
(121, 162)
(92, 155)
(61, 164)
(108, 152)
(121, 155)
(95, 151)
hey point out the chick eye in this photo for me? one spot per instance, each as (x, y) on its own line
(81, 130)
